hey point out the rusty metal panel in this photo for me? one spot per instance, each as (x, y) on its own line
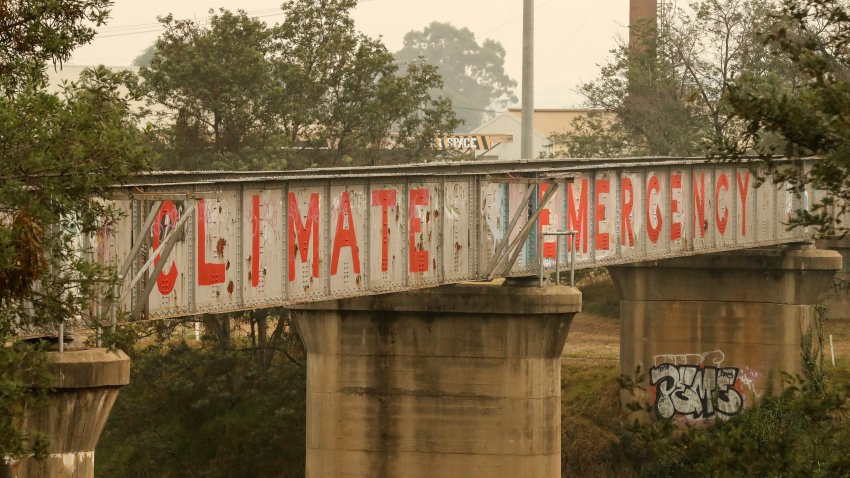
(578, 216)
(307, 241)
(218, 232)
(457, 231)
(552, 219)
(703, 225)
(262, 246)
(172, 293)
(630, 210)
(680, 210)
(605, 214)
(657, 220)
(423, 233)
(386, 236)
(493, 222)
(762, 222)
(724, 208)
(349, 240)
(749, 207)
(112, 242)
(516, 194)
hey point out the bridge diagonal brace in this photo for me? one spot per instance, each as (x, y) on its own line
(516, 244)
(141, 240)
(163, 251)
(500, 250)
(524, 233)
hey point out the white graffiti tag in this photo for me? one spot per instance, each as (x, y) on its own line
(695, 391)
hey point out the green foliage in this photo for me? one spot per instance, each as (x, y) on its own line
(806, 114)
(473, 74)
(217, 80)
(57, 153)
(35, 32)
(310, 91)
(145, 57)
(800, 432)
(592, 430)
(21, 366)
(665, 95)
(206, 412)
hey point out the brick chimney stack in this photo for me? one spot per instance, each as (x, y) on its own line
(641, 12)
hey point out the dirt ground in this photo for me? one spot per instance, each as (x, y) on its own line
(593, 337)
(597, 337)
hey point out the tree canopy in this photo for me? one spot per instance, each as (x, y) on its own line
(667, 95)
(808, 114)
(57, 153)
(473, 73)
(309, 91)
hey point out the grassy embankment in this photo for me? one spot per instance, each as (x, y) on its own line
(593, 437)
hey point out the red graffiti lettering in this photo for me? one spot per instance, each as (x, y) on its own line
(722, 182)
(208, 273)
(304, 232)
(577, 219)
(418, 257)
(168, 211)
(654, 232)
(345, 236)
(255, 240)
(627, 202)
(386, 199)
(545, 218)
(743, 190)
(603, 186)
(699, 205)
(675, 227)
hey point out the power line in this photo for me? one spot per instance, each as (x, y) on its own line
(142, 28)
(159, 29)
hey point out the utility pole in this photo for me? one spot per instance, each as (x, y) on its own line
(527, 139)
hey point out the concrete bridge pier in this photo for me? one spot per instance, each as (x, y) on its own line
(708, 331)
(455, 381)
(85, 388)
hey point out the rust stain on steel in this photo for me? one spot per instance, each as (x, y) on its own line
(219, 246)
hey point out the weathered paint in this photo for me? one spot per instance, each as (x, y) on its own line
(272, 241)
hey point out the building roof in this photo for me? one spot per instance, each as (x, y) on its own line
(550, 121)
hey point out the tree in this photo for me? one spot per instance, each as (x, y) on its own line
(808, 114)
(146, 56)
(200, 410)
(309, 91)
(216, 83)
(57, 153)
(473, 74)
(33, 33)
(343, 89)
(666, 96)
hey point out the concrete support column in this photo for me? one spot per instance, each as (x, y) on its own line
(85, 388)
(709, 330)
(838, 297)
(455, 381)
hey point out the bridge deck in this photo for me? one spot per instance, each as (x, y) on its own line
(228, 241)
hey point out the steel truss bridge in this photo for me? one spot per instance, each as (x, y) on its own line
(200, 242)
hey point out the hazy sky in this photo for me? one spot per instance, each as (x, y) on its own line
(571, 36)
